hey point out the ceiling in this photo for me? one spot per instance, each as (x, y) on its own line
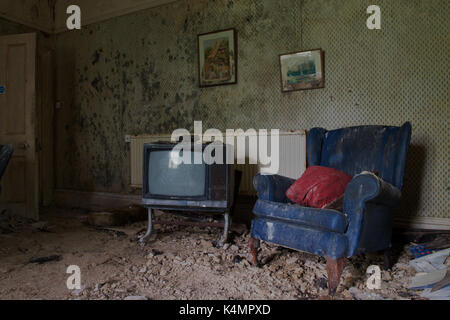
(50, 15)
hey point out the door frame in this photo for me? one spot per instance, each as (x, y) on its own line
(45, 102)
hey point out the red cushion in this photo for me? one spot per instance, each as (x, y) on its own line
(318, 186)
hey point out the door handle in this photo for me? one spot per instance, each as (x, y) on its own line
(24, 146)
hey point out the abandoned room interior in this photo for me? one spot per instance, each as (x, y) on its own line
(224, 150)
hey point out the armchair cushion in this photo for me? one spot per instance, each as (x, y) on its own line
(318, 187)
(303, 238)
(321, 219)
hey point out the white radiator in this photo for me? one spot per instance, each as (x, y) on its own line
(292, 161)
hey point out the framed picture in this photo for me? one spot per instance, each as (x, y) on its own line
(217, 64)
(302, 70)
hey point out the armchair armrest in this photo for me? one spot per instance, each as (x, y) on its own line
(368, 204)
(368, 187)
(272, 187)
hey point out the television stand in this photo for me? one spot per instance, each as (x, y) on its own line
(223, 239)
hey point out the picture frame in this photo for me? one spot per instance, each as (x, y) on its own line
(217, 58)
(303, 70)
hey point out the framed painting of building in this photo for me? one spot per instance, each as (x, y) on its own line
(217, 58)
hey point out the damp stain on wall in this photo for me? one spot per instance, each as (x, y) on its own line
(138, 74)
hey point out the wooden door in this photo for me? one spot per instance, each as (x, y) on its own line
(20, 183)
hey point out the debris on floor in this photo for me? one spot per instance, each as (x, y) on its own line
(135, 298)
(433, 275)
(12, 223)
(424, 280)
(41, 226)
(78, 292)
(41, 260)
(361, 295)
(180, 262)
(442, 294)
(433, 271)
(421, 250)
(118, 217)
(441, 241)
(442, 283)
(431, 262)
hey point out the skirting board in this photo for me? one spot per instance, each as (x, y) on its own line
(423, 223)
(94, 200)
(104, 201)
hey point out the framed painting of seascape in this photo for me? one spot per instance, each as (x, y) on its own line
(217, 63)
(302, 70)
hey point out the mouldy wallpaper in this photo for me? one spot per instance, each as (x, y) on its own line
(137, 74)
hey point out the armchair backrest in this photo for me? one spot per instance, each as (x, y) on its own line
(364, 148)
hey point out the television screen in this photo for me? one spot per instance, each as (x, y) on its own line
(167, 176)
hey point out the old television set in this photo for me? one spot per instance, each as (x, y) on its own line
(169, 183)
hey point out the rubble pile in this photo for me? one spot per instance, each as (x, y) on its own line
(183, 263)
(178, 262)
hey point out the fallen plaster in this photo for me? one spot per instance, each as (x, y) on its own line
(178, 263)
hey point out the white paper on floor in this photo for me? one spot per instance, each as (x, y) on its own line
(442, 294)
(424, 280)
(431, 262)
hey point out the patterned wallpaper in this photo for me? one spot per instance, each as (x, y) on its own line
(388, 76)
(138, 74)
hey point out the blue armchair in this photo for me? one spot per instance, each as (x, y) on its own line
(365, 225)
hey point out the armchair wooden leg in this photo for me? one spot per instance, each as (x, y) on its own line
(253, 245)
(334, 270)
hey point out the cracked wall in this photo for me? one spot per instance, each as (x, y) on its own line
(137, 74)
